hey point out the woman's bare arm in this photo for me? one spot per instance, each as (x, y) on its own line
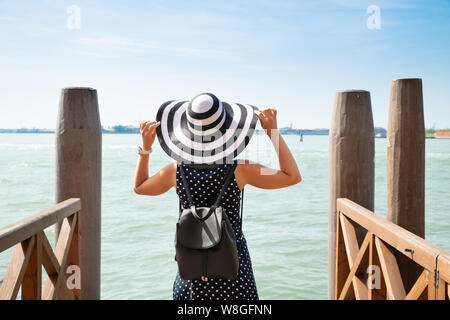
(164, 179)
(261, 176)
(157, 184)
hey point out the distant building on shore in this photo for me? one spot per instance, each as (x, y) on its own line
(380, 132)
(290, 130)
(442, 134)
(121, 129)
(27, 130)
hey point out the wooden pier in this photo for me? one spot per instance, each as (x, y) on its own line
(75, 261)
(364, 247)
(369, 257)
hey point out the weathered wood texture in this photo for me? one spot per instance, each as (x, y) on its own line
(33, 251)
(384, 240)
(406, 165)
(16, 270)
(78, 174)
(351, 163)
(27, 227)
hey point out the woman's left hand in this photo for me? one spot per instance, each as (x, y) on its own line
(148, 132)
(268, 119)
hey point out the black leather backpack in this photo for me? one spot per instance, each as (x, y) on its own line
(205, 242)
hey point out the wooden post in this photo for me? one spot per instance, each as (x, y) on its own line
(78, 175)
(406, 166)
(351, 163)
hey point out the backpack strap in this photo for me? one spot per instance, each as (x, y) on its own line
(186, 186)
(219, 198)
(228, 178)
(242, 214)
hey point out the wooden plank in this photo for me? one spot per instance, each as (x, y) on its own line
(431, 288)
(371, 258)
(341, 266)
(350, 241)
(69, 257)
(394, 284)
(26, 228)
(52, 267)
(53, 287)
(352, 248)
(419, 286)
(73, 257)
(424, 254)
(32, 280)
(16, 269)
(436, 293)
(376, 293)
(49, 260)
(440, 290)
(65, 239)
(64, 293)
(443, 265)
(356, 265)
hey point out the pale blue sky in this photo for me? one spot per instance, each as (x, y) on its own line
(292, 55)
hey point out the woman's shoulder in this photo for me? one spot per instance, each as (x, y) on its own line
(245, 167)
(241, 163)
(243, 171)
(244, 161)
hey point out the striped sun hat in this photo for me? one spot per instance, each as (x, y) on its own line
(205, 130)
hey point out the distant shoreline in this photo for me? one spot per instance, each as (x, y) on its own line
(106, 132)
(119, 129)
(379, 132)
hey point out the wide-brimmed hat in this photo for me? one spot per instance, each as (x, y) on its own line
(205, 130)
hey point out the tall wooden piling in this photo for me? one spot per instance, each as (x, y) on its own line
(78, 175)
(351, 162)
(406, 165)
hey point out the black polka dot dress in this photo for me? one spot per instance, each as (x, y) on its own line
(205, 185)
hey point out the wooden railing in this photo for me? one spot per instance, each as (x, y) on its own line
(33, 251)
(358, 266)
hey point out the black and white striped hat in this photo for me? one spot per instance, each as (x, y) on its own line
(205, 130)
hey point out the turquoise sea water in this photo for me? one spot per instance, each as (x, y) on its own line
(286, 229)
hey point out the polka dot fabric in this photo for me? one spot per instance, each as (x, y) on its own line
(205, 185)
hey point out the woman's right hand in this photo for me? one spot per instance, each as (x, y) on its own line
(148, 132)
